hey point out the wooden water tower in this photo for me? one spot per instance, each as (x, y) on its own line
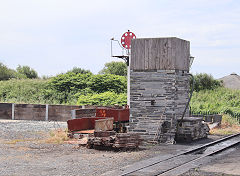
(159, 86)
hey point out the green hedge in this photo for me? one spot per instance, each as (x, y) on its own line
(65, 89)
(23, 91)
(105, 98)
(221, 100)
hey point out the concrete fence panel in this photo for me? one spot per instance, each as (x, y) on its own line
(60, 112)
(29, 112)
(89, 112)
(45, 112)
(5, 110)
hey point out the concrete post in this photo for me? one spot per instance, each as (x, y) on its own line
(13, 108)
(73, 114)
(46, 117)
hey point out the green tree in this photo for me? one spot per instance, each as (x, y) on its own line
(77, 70)
(116, 68)
(203, 81)
(27, 71)
(66, 85)
(108, 82)
(22, 91)
(69, 82)
(6, 73)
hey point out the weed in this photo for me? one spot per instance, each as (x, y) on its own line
(57, 136)
(14, 141)
(228, 126)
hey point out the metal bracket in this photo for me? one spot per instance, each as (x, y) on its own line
(124, 57)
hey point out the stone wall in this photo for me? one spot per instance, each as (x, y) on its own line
(157, 99)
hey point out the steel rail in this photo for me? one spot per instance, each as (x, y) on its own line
(193, 150)
(201, 157)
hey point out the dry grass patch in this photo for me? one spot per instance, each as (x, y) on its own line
(58, 136)
(14, 141)
(23, 148)
(229, 126)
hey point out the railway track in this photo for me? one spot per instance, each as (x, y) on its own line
(182, 162)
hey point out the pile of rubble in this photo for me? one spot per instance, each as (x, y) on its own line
(191, 128)
(111, 139)
(106, 130)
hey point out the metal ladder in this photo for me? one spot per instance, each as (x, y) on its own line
(158, 132)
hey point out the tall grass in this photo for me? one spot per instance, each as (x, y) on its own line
(221, 100)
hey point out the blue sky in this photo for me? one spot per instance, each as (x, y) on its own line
(53, 36)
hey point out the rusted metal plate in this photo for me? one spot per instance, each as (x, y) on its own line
(79, 124)
(104, 124)
(119, 115)
(82, 123)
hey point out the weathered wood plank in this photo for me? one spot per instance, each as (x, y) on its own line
(164, 55)
(160, 54)
(133, 54)
(137, 54)
(183, 54)
(152, 54)
(146, 57)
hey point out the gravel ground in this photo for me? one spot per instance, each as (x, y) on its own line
(22, 152)
(16, 129)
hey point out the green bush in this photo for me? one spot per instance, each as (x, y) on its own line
(61, 89)
(204, 81)
(22, 72)
(69, 82)
(6, 73)
(108, 82)
(22, 91)
(221, 100)
(105, 98)
(116, 68)
(78, 70)
(27, 72)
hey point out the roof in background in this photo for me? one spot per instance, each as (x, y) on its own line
(231, 81)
